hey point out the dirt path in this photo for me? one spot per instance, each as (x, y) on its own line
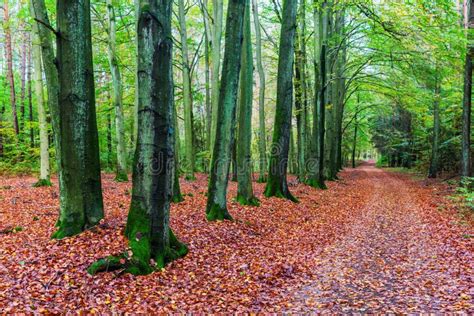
(392, 259)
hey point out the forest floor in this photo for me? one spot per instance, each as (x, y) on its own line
(375, 241)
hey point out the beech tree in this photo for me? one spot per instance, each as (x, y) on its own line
(216, 208)
(277, 183)
(80, 188)
(150, 238)
(244, 168)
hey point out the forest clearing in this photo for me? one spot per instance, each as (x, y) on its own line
(236, 156)
(375, 241)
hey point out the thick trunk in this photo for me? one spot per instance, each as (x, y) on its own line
(218, 9)
(262, 141)
(9, 58)
(150, 238)
(434, 164)
(121, 172)
(216, 204)
(81, 192)
(187, 95)
(244, 139)
(277, 183)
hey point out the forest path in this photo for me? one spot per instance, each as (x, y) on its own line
(391, 259)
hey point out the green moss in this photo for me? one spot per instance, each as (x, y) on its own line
(253, 201)
(110, 263)
(73, 228)
(42, 183)
(273, 189)
(177, 198)
(121, 177)
(262, 179)
(316, 184)
(217, 213)
(190, 177)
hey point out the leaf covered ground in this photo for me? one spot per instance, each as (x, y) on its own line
(373, 242)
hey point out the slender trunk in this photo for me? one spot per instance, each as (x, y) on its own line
(466, 109)
(23, 81)
(299, 100)
(218, 9)
(245, 194)
(356, 127)
(262, 141)
(109, 140)
(187, 95)
(216, 204)
(434, 165)
(207, 43)
(40, 15)
(30, 101)
(277, 183)
(81, 192)
(176, 196)
(121, 172)
(9, 58)
(44, 178)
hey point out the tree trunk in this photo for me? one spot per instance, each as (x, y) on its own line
(262, 141)
(207, 42)
(39, 14)
(277, 184)
(121, 172)
(218, 9)
(30, 99)
(466, 108)
(9, 58)
(44, 178)
(317, 179)
(150, 238)
(23, 80)
(176, 195)
(81, 192)
(434, 164)
(187, 96)
(216, 203)
(245, 194)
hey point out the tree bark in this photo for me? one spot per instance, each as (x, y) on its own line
(245, 194)
(121, 172)
(216, 203)
(262, 140)
(434, 164)
(187, 95)
(218, 9)
(9, 58)
(277, 183)
(81, 192)
(147, 230)
(466, 108)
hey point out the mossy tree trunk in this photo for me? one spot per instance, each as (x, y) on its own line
(219, 175)
(245, 194)
(277, 183)
(176, 195)
(121, 172)
(262, 141)
(44, 178)
(151, 240)
(80, 192)
(187, 95)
